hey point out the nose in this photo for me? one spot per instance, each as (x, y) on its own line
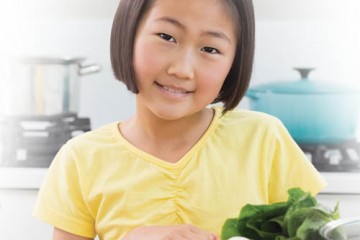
(182, 65)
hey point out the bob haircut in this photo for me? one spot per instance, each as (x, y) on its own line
(123, 31)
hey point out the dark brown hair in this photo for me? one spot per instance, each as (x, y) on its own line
(123, 31)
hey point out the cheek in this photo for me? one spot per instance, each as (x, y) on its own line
(214, 77)
(145, 60)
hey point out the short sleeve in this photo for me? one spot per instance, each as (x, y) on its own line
(289, 166)
(60, 200)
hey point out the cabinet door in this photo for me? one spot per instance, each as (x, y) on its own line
(16, 220)
(349, 204)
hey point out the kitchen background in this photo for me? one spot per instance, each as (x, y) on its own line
(323, 34)
(290, 33)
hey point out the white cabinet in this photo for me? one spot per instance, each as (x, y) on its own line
(16, 220)
(18, 193)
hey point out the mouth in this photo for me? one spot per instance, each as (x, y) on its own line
(173, 90)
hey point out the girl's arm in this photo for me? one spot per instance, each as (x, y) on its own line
(62, 235)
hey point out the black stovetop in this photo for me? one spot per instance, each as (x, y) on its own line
(33, 141)
(334, 157)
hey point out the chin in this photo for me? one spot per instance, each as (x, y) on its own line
(174, 113)
(170, 116)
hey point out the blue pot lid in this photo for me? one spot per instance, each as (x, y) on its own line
(304, 86)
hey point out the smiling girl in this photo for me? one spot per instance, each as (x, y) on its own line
(180, 166)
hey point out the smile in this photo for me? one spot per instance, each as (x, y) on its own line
(172, 90)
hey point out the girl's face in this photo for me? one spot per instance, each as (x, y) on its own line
(182, 54)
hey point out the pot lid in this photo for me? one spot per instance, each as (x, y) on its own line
(304, 86)
(52, 60)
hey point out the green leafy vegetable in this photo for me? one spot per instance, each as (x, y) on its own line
(299, 218)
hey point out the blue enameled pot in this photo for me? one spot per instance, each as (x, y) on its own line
(313, 112)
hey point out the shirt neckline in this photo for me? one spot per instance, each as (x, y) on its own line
(160, 162)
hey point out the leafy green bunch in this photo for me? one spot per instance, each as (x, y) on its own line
(299, 218)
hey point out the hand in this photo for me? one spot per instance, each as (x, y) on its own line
(238, 238)
(178, 232)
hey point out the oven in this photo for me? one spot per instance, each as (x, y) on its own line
(339, 164)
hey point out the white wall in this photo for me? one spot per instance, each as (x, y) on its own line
(290, 33)
(324, 34)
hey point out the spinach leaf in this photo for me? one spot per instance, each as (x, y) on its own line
(299, 218)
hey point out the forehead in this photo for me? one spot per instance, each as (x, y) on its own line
(195, 13)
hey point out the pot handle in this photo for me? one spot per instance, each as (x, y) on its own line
(304, 72)
(89, 69)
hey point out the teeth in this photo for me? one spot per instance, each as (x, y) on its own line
(172, 90)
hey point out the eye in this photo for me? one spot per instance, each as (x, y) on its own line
(167, 37)
(210, 50)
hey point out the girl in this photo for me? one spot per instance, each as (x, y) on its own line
(179, 167)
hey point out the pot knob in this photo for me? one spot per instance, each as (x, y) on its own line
(304, 72)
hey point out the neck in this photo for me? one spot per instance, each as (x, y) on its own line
(159, 129)
(166, 139)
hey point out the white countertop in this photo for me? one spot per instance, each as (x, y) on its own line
(343, 183)
(31, 178)
(21, 178)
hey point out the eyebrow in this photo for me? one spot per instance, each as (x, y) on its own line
(216, 34)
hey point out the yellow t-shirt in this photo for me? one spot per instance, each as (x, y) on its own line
(101, 184)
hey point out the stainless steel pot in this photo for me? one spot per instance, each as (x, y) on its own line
(312, 111)
(45, 86)
(341, 229)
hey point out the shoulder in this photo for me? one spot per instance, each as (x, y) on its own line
(250, 125)
(244, 117)
(103, 134)
(103, 137)
(86, 148)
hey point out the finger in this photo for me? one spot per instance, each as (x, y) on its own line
(214, 237)
(197, 236)
(200, 233)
